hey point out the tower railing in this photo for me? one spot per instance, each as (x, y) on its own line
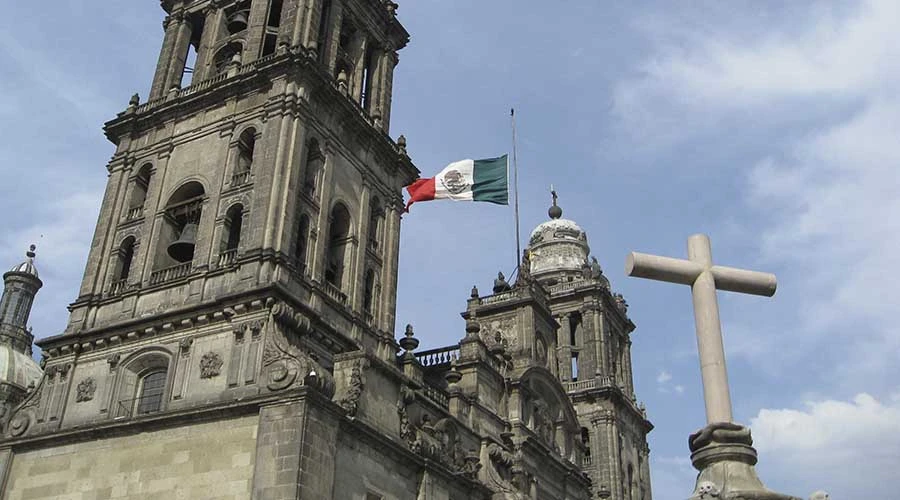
(439, 356)
(134, 213)
(118, 287)
(334, 292)
(228, 257)
(170, 273)
(240, 178)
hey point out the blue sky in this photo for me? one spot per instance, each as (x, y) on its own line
(772, 128)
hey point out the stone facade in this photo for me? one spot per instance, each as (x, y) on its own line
(233, 336)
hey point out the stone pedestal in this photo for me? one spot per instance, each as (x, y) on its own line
(724, 455)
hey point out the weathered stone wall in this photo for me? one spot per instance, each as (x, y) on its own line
(146, 466)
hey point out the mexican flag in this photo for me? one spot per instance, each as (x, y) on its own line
(465, 180)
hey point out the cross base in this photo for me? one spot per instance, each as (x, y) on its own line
(724, 455)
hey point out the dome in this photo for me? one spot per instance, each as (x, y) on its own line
(557, 247)
(18, 368)
(27, 267)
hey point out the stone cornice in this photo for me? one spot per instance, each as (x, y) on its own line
(296, 64)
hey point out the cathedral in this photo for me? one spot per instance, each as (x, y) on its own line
(234, 335)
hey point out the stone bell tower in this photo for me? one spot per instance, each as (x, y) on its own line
(270, 170)
(594, 358)
(257, 182)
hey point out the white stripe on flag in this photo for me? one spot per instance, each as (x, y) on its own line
(455, 181)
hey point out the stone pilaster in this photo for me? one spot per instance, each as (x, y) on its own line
(565, 350)
(391, 255)
(296, 449)
(317, 259)
(179, 54)
(357, 271)
(256, 30)
(334, 36)
(170, 25)
(206, 53)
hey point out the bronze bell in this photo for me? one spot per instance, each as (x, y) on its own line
(182, 249)
(238, 21)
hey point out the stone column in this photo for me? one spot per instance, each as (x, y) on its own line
(107, 223)
(387, 89)
(256, 30)
(295, 158)
(601, 346)
(626, 368)
(153, 217)
(588, 357)
(317, 259)
(306, 30)
(565, 350)
(179, 54)
(334, 37)
(170, 25)
(604, 456)
(357, 272)
(208, 39)
(358, 48)
(387, 313)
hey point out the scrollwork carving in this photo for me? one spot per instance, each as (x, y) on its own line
(287, 363)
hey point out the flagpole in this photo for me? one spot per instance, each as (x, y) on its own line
(512, 117)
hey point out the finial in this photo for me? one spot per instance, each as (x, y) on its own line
(135, 100)
(474, 293)
(555, 212)
(30, 253)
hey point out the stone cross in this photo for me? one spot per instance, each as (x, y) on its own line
(704, 278)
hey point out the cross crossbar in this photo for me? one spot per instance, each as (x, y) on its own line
(704, 279)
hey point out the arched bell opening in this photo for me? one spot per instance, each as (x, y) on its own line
(227, 55)
(338, 243)
(178, 234)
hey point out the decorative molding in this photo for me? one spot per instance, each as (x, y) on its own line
(350, 402)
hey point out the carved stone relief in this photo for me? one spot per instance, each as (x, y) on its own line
(210, 365)
(85, 390)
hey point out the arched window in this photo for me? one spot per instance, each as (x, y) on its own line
(225, 56)
(369, 291)
(142, 384)
(375, 216)
(139, 192)
(314, 162)
(302, 244)
(152, 389)
(246, 146)
(126, 255)
(338, 240)
(234, 219)
(586, 441)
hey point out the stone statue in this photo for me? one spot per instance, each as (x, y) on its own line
(500, 284)
(524, 270)
(596, 270)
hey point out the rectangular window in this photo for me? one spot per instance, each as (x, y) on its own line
(574, 366)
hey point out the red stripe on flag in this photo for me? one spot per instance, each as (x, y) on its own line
(420, 190)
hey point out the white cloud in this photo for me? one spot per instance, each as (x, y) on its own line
(825, 191)
(848, 448)
(663, 377)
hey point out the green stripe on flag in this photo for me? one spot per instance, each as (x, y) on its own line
(491, 181)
